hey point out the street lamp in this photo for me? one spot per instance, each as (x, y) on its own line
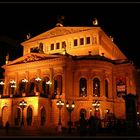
(22, 104)
(96, 105)
(70, 109)
(59, 104)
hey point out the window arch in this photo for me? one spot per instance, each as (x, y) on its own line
(83, 87)
(96, 87)
(106, 88)
(43, 116)
(29, 115)
(58, 85)
(46, 87)
(31, 88)
(12, 86)
(22, 87)
(18, 116)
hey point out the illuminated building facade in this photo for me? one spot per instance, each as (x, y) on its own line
(80, 64)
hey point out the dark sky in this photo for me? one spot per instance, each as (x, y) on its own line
(120, 20)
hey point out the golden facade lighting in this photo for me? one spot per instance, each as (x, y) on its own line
(96, 104)
(38, 79)
(13, 83)
(49, 82)
(1, 83)
(24, 80)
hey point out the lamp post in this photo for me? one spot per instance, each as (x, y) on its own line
(22, 104)
(59, 104)
(70, 109)
(96, 105)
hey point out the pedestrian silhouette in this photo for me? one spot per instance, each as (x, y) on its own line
(83, 125)
(92, 126)
(7, 126)
(118, 127)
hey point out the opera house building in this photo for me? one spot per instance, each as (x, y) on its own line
(64, 72)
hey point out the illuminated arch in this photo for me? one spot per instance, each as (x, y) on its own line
(45, 87)
(11, 87)
(42, 116)
(29, 115)
(106, 88)
(22, 87)
(18, 115)
(58, 85)
(96, 87)
(83, 87)
(5, 115)
(32, 87)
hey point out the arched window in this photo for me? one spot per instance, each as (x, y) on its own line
(22, 87)
(46, 87)
(18, 116)
(31, 89)
(5, 115)
(83, 87)
(83, 112)
(58, 85)
(29, 116)
(12, 86)
(43, 116)
(96, 87)
(106, 88)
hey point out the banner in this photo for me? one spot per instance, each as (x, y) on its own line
(121, 86)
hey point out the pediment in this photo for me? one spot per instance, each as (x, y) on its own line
(59, 31)
(32, 57)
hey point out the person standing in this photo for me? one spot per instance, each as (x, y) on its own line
(92, 126)
(83, 125)
(7, 126)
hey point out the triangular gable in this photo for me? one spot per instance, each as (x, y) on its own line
(58, 31)
(31, 57)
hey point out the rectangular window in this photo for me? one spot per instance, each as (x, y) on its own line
(75, 42)
(57, 45)
(87, 40)
(63, 44)
(52, 46)
(34, 50)
(81, 41)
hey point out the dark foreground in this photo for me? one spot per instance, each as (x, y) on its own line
(18, 132)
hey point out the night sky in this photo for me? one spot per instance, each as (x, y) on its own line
(120, 20)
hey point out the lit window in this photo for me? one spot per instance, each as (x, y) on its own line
(34, 50)
(96, 87)
(58, 85)
(57, 45)
(75, 42)
(81, 41)
(52, 46)
(63, 44)
(87, 40)
(83, 87)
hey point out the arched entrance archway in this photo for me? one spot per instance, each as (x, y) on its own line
(5, 115)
